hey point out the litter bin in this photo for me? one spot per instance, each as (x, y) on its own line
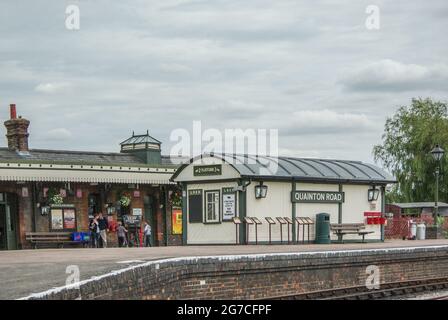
(413, 231)
(421, 231)
(323, 228)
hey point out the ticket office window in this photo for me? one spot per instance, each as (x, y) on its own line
(212, 206)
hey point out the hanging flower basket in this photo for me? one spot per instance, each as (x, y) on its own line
(54, 197)
(176, 199)
(125, 200)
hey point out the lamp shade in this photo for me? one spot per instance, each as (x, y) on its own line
(437, 153)
(372, 194)
(261, 191)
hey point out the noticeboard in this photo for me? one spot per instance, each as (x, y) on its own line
(62, 218)
(176, 221)
(270, 220)
(228, 204)
(195, 206)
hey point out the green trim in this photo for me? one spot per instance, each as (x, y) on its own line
(340, 205)
(383, 209)
(184, 214)
(293, 213)
(242, 213)
(340, 211)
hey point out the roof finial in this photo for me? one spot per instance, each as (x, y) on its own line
(132, 132)
(147, 132)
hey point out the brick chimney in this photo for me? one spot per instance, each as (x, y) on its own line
(17, 131)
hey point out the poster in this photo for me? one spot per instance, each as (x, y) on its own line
(228, 206)
(176, 221)
(137, 211)
(56, 219)
(69, 219)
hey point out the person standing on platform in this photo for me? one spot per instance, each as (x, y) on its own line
(147, 234)
(121, 233)
(94, 232)
(103, 225)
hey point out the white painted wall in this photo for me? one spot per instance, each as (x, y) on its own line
(276, 204)
(311, 209)
(355, 205)
(200, 233)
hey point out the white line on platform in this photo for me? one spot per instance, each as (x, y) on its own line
(78, 285)
(130, 261)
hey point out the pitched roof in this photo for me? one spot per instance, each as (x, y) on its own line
(305, 169)
(143, 138)
(76, 157)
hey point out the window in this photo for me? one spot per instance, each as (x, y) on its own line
(212, 206)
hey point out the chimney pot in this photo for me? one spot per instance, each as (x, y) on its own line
(17, 131)
(12, 111)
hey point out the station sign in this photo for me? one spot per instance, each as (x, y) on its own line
(208, 170)
(317, 196)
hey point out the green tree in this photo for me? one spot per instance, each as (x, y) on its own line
(409, 136)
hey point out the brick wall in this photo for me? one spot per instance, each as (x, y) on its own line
(26, 218)
(258, 276)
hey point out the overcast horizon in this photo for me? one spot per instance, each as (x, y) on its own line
(312, 70)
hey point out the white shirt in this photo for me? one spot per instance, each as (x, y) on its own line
(147, 230)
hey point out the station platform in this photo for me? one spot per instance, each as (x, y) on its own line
(23, 272)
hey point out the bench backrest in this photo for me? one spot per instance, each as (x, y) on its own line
(48, 236)
(347, 226)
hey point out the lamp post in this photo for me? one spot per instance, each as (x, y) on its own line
(437, 154)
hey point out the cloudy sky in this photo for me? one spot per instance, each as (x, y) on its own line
(310, 69)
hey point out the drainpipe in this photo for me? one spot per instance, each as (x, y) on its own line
(34, 205)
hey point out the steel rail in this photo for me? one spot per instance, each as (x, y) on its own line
(386, 290)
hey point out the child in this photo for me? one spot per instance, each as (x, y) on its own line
(121, 232)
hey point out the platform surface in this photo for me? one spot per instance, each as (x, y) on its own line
(23, 272)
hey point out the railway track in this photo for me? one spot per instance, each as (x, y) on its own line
(390, 290)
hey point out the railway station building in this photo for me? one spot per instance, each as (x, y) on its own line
(216, 188)
(61, 190)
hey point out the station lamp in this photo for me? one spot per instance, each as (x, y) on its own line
(373, 193)
(437, 153)
(261, 190)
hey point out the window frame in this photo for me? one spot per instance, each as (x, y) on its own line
(217, 207)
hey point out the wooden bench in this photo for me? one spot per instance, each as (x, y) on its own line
(341, 229)
(52, 238)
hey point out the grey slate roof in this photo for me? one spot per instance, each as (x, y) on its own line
(304, 169)
(66, 156)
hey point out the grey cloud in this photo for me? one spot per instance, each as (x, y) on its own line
(292, 65)
(390, 75)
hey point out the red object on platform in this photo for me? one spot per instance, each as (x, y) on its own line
(372, 214)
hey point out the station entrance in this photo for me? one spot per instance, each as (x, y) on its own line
(8, 221)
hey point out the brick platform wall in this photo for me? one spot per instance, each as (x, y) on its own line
(258, 276)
